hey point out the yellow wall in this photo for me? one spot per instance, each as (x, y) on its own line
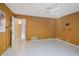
(5, 36)
(69, 33)
(28, 33)
(41, 28)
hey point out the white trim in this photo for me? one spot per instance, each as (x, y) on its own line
(67, 43)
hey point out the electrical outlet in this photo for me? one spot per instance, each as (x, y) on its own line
(67, 40)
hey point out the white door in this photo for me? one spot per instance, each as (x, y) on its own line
(23, 36)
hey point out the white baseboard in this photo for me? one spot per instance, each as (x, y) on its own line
(68, 43)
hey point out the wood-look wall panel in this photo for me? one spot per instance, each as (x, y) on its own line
(41, 28)
(69, 33)
(28, 32)
(5, 36)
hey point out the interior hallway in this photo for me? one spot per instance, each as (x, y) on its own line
(48, 47)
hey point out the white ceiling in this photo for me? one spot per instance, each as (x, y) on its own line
(51, 10)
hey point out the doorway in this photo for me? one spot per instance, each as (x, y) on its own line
(18, 32)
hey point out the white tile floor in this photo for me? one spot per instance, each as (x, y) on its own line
(42, 48)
